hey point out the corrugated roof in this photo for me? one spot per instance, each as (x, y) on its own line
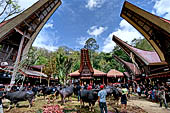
(147, 57)
(96, 73)
(129, 65)
(35, 74)
(114, 73)
(154, 28)
(126, 74)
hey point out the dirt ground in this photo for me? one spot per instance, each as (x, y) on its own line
(148, 106)
(135, 105)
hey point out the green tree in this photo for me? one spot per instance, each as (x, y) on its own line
(25, 63)
(142, 44)
(63, 65)
(91, 44)
(75, 56)
(119, 52)
(9, 8)
(50, 68)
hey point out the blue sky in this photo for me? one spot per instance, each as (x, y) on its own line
(77, 20)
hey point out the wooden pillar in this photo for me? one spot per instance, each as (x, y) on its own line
(41, 76)
(17, 60)
(103, 80)
(91, 81)
(80, 82)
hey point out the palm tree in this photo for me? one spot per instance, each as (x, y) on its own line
(50, 68)
(63, 64)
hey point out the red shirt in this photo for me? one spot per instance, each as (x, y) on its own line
(89, 88)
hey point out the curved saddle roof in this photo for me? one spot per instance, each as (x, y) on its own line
(130, 68)
(148, 57)
(154, 28)
(27, 24)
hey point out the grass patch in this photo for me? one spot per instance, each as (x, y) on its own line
(69, 107)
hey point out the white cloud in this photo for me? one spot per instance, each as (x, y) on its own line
(126, 32)
(49, 25)
(162, 8)
(108, 44)
(47, 39)
(91, 4)
(26, 3)
(96, 31)
(82, 40)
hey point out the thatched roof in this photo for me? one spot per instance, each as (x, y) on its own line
(96, 73)
(114, 73)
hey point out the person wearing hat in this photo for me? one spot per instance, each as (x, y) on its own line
(102, 99)
(89, 87)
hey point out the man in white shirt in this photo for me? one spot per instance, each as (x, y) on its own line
(102, 99)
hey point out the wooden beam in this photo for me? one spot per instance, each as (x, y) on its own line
(6, 58)
(39, 27)
(20, 32)
(27, 24)
(6, 51)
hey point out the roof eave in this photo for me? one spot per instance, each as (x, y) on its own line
(119, 42)
(150, 17)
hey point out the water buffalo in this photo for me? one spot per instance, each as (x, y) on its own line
(109, 90)
(116, 95)
(89, 96)
(17, 96)
(113, 91)
(48, 91)
(66, 92)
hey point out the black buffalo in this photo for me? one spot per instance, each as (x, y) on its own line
(48, 91)
(113, 91)
(17, 96)
(109, 90)
(66, 92)
(89, 96)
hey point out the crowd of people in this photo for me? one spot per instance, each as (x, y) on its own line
(159, 92)
(155, 93)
